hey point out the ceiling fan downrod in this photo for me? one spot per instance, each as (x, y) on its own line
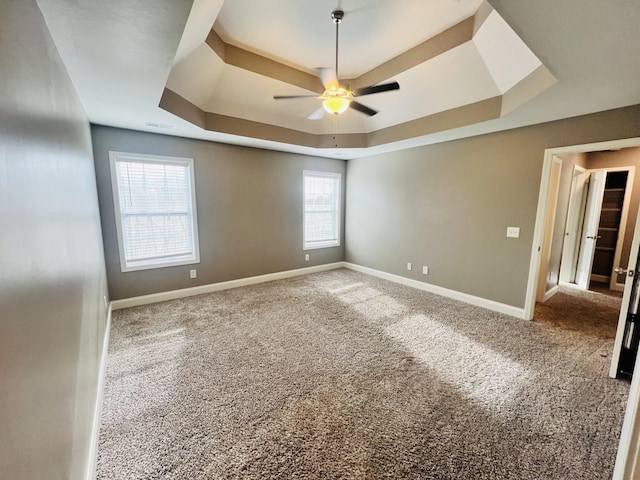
(337, 16)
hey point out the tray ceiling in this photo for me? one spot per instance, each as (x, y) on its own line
(208, 69)
(457, 63)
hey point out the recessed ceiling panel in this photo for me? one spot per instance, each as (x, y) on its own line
(249, 96)
(458, 77)
(507, 57)
(196, 76)
(301, 32)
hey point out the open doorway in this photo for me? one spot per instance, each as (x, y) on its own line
(559, 263)
(596, 224)
(587, 234)
(629, 445)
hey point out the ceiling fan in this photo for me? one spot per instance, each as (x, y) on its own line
(336, 98)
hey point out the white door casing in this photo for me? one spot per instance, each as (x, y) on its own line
(573, 229)
(629, 447)
(550, 217)
(590, 229)
(613, 283)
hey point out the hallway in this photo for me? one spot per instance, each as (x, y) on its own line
(593, 312)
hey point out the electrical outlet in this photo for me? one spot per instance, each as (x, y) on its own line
(306, 257)
(193, 273)
(425, 270)
(513, 232)
(409, 266)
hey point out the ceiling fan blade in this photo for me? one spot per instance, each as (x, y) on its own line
(363, 109)
(286, 97)
(329, 78)
(385, 87)
(317, 115)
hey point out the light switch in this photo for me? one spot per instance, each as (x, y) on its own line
(513, 232)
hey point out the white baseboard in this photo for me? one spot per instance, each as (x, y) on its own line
(445, 292)
(594, 277)
(97, 412)
(550, 293)
(216, 287)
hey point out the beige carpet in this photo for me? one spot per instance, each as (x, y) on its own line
(340, 375)
(593, 312)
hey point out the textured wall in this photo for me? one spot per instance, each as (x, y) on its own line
(448, 205)
(52, 273)
(249, 205)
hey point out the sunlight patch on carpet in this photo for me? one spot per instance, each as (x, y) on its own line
(487, 376)
(372, 303)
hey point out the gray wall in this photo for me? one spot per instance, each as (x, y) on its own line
(52, 274)
(249, 205)
(448, 205)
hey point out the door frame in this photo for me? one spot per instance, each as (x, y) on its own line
(543, 197)
(626, 465)
(575, 217)
(624, 216)
(573, 227)
(591, 223)
(542, 295)
(629, 445)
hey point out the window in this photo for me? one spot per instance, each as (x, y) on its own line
(155, 209)
(321, 210)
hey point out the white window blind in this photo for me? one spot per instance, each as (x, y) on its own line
(321, 209)
(154, 201)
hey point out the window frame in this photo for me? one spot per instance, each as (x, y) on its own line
(170, 261)
(327, 244)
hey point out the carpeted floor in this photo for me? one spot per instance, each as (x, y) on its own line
(339, 375)
(593, 312)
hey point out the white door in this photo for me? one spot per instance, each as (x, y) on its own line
(627, 465)
(628, 308)
(575, 220)
(590, 229)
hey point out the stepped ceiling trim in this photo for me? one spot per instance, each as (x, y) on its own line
(214, 111)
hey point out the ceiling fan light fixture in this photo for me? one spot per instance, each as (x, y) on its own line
(336, 100)
(336, 105)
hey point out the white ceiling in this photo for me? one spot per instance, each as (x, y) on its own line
(301, 32)
(121, 54)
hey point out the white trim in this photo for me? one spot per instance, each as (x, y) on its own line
(534, 263)
(444, 292)
(622, 227)
(618, 287)
(97, 412)
(216, 287)
(538, 233)
(550, 293)
(173, 260)
(573, 227)
(547, 237)
(327, 243)
(269, 277)
(626, 465)
(594, 277)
